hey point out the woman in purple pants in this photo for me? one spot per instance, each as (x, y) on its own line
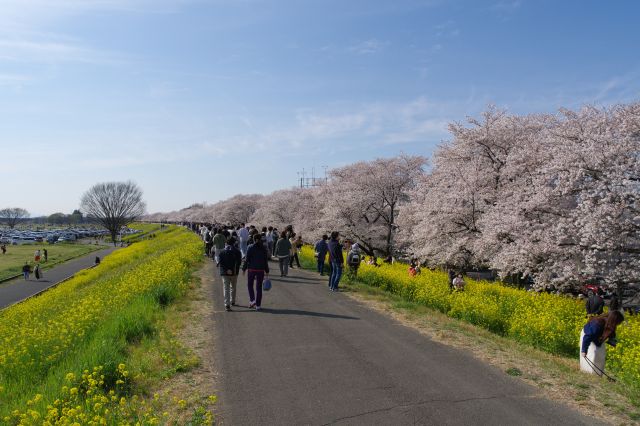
(257, 262)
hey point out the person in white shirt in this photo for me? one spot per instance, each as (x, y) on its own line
(243, 235)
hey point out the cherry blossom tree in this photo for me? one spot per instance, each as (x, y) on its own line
(362, 200)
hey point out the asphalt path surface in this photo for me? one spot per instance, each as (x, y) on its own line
(19, 289)
(313, 357)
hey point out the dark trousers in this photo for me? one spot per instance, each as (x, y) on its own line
(321, 265)
(258, 277)
(336, 274)
(294, 257)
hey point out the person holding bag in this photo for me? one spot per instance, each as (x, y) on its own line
(257, 263)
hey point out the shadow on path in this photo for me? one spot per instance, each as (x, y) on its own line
(305, 313)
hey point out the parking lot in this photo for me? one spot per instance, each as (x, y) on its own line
(54, 235)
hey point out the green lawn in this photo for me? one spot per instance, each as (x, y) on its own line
(11, 263)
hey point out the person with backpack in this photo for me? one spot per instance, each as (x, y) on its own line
(337, 261)
(257, 263)
(353, 259)
(321, 248)
(229, 262)
(218, 245)
(282, 252)
(208, 242)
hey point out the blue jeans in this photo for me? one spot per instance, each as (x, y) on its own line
(321, 265)
(336, 274)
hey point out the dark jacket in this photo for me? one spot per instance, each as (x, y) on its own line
(283, 247)
(321, 248)
(230, 260)
(594, 305)
(335, 252)
(593, 333)
(257, 258)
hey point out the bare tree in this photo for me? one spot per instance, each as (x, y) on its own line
(13, 215)
(113, 205)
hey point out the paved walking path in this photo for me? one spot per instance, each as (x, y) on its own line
(312, 357)
(19, 289)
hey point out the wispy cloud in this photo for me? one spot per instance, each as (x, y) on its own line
(368, 47)
(507, 5)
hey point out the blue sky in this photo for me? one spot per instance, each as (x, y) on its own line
(199, 100)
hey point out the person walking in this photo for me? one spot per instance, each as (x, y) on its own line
(296, 244)
(218, 245)
(337, 261)
(257, 263)
(268, 233)
(274, 236)
(230, 260)
(208, 242)
(353, 259)
(243, 235)
(37, 272)
(46, 255)
(36, 256)
(3, 248)
(26, 270)
(321, 248)
(282, 252)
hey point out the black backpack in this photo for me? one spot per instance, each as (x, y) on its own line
(355, 259)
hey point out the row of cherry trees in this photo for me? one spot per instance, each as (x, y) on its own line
(553, 197)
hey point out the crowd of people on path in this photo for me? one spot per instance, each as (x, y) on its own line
(247, 249)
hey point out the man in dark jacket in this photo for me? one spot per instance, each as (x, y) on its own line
(321, 249)
(230, 260)
(337, 261)
(595, 304)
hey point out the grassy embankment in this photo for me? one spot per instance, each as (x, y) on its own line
(146, 231)
(546, 322)
(12, 261)
(95, 348)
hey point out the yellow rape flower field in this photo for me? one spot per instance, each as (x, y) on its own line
(63, 358)
(545, 321)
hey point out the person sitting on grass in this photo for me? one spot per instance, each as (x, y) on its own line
(458, 283)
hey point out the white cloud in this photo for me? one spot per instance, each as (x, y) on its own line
(368, 47)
